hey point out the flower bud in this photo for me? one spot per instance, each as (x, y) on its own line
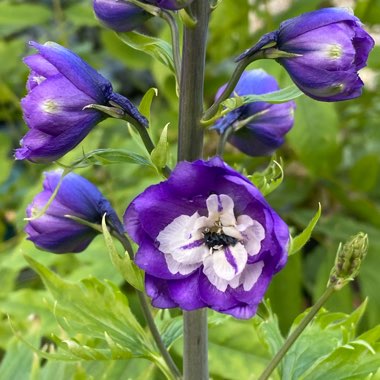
(61, 86)
(258, 128)
(54, 231)
(120, 15)
(322, 52)
(348, 260)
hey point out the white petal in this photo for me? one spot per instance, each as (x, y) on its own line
(208, 270)
(182, 241)
(253, 234)
(228, 262)
(251, 274)
(176, 267)
(221, 206)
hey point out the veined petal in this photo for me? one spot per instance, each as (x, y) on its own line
(225, 264)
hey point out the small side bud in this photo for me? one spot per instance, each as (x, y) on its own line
(348, 260)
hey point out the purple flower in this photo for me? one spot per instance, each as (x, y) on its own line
(170, 4)
(120, 15)
(56, 233)
(60, 86)
(207, 238)
(331, 46)
(259, 127)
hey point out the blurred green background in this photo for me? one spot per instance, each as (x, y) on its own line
(330, 156)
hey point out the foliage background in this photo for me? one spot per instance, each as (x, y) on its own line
(331, 156)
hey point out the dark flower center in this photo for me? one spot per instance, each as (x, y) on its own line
(213, 239)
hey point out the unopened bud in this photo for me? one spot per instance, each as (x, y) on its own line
(348, 260)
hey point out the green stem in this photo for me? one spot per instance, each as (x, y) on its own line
(190, 137)
(150, 320)
(168, 17)
(296, 333)
(146, 139)
(156, 335)
(190, 147)
(239, 69)
(141, 296)
(223, 140)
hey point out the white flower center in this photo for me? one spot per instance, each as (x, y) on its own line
(50, 106)
(220, 243)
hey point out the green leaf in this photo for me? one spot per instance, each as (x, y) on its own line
(155, 47)
(268, 180)
(100, 313)
(300, 240)
(315, 137)
(128, 269)
(108, 157)
(146, 102)
(281, 96)
(171, 329)
(14, 17)
(159, 154)
(328, 349)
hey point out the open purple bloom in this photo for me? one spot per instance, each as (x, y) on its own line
(170, 4)
(207, 238)
(60, 86)
(331, 46)
(120, 15)
(56, 233)
(258, 128)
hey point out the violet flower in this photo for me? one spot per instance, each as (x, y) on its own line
(56, 233)
(60, 86)
(207, 238)
(120, 16)
(170, 4)
(330, 47)
(258, 128)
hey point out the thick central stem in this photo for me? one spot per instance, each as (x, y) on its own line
(190, 137)
(190, 146)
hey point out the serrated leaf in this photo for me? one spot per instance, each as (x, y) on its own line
(159, 154)
(300, 240)
(268, 180)
(146, 102)
(128, 269)
(281, 96)
(155, 47)
(109, 156)
(92, 308)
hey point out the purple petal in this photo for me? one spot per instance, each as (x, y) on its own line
(153, 262)
(157, 290)
(77, 71)
(186, 293)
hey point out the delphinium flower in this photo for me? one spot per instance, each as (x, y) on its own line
(76, 197)
(207, 238)
(258, 128)
(120, 16)
(322, 52)
(60, 87)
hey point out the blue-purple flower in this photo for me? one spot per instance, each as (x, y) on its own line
(329, 46)
(258, 128)
(207, 238)
(54, 231)
(120, 16)
(60, 87)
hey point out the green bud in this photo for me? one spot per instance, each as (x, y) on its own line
(348, 260)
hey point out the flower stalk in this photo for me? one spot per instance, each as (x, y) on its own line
(190, 146)
(296, 333)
